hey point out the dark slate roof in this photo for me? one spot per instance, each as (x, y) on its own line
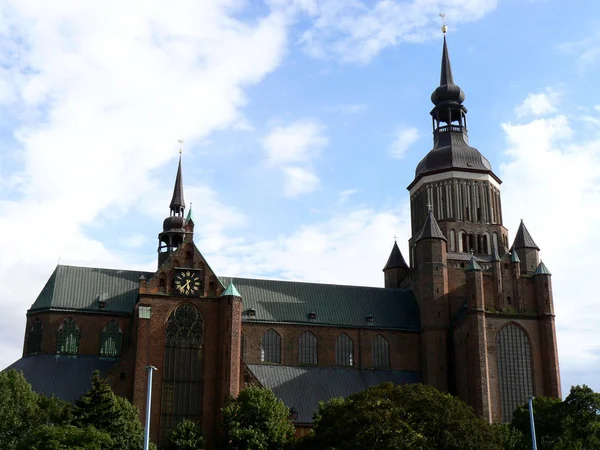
(431, 229)
(473, 265)
(67, 377)
(396, 260)
(523, 239)
(303, 387)
(79, 288)
(177, 200)
(278, 301)
(452, 151)
(542, 270)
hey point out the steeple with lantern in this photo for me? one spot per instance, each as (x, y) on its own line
(454, 179)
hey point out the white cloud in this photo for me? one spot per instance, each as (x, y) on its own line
(347, 108)
(336, 250)
(345, 195)
(298, 142)
(356, 31)
(292, 148)
(299, 180)
(552, 181)
(100, 99)
(586, 51)
(405, 137)
(540, 104)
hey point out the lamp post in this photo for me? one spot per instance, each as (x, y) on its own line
(148, 407)
(532, 423)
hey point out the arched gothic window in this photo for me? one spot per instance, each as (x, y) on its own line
(182, 377)
(111, 339)
(344, 351)
(34, 338)
(452, 241)
(67, 339)
(270, 347)
(307, 348)
(381, 352)
(514, 369)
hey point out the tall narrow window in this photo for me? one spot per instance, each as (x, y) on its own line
(270, 347)
(514, 369)
(111, 339)
(381, 352)
(307, 348)
(243, 349)
(67, 339)
(344, 351)
(34, 338)
(182, 377)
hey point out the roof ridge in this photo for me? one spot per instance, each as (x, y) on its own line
(310, 282)
(106, 268)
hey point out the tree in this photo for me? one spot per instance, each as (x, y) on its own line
(570, 424)
(18, 408)
(388, 416)
(111, 414)
(187, 435)
(257, 420)
(50, 437)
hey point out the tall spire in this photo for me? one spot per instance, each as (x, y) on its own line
(446, 72)
(177, 204)
(447, 91)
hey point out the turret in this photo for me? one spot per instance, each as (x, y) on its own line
(474, 276)
(527, 250)
(515, 275)
(497, 278)
(542, 279)
(395, 269)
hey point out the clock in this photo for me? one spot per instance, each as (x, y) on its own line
(188, 282)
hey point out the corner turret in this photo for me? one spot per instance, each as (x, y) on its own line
(395, 269)
(527, 250)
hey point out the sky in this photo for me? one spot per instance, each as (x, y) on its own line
(302, 123)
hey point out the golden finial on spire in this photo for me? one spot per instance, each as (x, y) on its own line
(444, 26)
(180, 145)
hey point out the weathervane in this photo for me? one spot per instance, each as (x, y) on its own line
(444, 26)
(180, 145)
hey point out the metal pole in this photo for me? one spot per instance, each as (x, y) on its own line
(533, 440)
(148, 406)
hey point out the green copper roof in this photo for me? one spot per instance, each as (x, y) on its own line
(190, 215)
(275, 301)
(542, 270)
(514, 257)
(231, 290)
(473, 265)
(80, 288)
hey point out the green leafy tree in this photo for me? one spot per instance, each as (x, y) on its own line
(61, 437)
(18, 408)
(257, 420)
(560, 425)
(390, 417)
(187, 435)
(111, 414)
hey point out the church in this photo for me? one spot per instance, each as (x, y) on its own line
(468, 313)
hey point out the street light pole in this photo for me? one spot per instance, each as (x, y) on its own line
(532, 423)
(148, 406)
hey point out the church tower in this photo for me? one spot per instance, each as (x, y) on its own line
(455, 180)
(486, 313)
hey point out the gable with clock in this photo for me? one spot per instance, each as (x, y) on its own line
(188, 282)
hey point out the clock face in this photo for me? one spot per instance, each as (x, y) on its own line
(188, 282)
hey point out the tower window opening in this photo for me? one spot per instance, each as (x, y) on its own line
(509, 300)
(479, 214)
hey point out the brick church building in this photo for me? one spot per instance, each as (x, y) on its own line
(469, 313)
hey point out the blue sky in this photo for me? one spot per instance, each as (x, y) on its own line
(302, 124)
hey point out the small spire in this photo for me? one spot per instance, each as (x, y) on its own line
(514, 257)
(190, 215)
(542, 269)
(523, 239)
(473, 265)
(177, 202)
(396, 260)
(231, 291)
(431, 229)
